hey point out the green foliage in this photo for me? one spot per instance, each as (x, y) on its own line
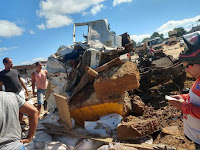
(60, 47)
(180, 31)
(134, 43)
(113, 32)
(145, 39)
(156, 34)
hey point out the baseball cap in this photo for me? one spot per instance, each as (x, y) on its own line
(191, 53)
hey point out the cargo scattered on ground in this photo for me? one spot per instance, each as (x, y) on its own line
(99, 97)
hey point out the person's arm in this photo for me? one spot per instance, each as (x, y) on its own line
(187, 108)
(33, 83)
(1, 84)
(33, 120)
(24, 86)
(191, 109)
(184, 96)
(46, 73)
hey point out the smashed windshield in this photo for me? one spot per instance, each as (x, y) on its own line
(154, 42)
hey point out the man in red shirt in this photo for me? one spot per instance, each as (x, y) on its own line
(39, 77)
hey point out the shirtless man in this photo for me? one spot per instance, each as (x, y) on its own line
(39, 77)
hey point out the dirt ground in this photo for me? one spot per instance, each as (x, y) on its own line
(173, 50)
(169, 117)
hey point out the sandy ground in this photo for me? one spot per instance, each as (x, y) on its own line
(173, 50)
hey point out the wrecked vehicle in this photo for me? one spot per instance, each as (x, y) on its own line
(143, 48)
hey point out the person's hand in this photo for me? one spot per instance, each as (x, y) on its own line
(176, 96)
(26, 140)
(177, 103)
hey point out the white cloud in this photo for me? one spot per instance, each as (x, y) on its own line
(117, 2)
(31, 32)
(57, 20)
(7, 48)
(41, 26)
(3, 50)
(97, 8)
(33, 61)
(84, 13)
(57, 12)
(170, 25)
(185, 23)
(139, 38)
(9, 29)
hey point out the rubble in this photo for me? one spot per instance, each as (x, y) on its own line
(136, 128)
(173, 130)
(138, 105)
(105, 126)
(116, 146)
(85, 106)
(93, 86)
(112, 83)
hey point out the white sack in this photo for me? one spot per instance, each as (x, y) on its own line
(105, 126)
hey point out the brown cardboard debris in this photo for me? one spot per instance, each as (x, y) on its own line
(63, 109)
(111, 84)
(173, 130)
(85, 106)
(136, 128)
(138, 105)
(59, 130)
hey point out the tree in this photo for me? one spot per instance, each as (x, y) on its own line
(134, 43)
(198, 21)
(61, 47)
(156, 34)
(145, 39)
(113, 32)
(180, 31)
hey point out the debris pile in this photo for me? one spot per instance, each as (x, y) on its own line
(90, 94)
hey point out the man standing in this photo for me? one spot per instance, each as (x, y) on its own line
(12, 81)
(40, 78)
(190, 103)
(10, 130)
(10, 78)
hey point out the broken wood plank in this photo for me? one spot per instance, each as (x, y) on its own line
(82, 83)
(85, 78)
(109, 64)
(60, 129)
(63, 109)
(91, 71)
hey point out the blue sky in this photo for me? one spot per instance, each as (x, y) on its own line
(32, 30)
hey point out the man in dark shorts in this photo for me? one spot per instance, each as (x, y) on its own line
(11, 80)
